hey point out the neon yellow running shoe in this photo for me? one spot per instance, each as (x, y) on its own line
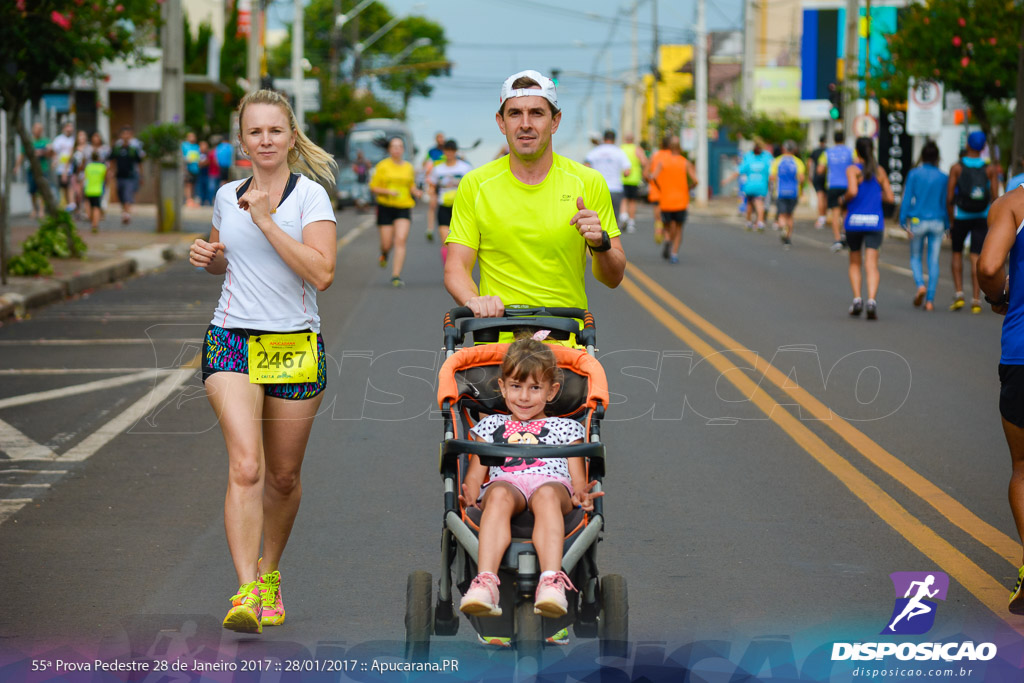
(1016, 605)
(270, 597)
(246, 611)
(558, 638)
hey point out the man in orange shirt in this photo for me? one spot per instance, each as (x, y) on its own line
(675, 176)
(653, 191)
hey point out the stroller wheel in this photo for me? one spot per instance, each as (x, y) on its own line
(418, 619)
(613, 627)
(529, 640)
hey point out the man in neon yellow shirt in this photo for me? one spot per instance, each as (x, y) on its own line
(530, 216)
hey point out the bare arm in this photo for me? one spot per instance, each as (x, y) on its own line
(609, 266)
(883, 180)
(954, 175)
(458, 280)
(1003, 219)
(209, 255)
(313, 258)
(691, 173)
(852, 182)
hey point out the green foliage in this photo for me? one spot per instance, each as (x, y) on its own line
(196, 60)
(44, 42)
(162, 140)
(29, 263)
(969, 45)
(759, 125)
(1000, 118)
(50, 241)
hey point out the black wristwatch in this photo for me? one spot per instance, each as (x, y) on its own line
(606, 242)
(1003, 298)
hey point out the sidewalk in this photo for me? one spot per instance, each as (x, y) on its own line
(115, 253)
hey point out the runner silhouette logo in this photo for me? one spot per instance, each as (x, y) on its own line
(916, 593)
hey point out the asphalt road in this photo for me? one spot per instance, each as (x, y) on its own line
(751, 508)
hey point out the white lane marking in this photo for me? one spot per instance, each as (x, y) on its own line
(76, 389)
(9, 506)
(92, 342)
(22, 486)
(20, 447)
(21, 471)
(117, 317)
(69, 371)
(355, 232)
(129, 417)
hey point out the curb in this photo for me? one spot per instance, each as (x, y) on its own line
(37, 292)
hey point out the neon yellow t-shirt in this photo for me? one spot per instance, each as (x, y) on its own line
(527, 251)
(388, 175)
(95, 175)
(636, 170)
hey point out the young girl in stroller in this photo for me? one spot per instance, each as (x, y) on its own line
(549, 487)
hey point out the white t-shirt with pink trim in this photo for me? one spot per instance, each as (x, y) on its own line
(260, 291)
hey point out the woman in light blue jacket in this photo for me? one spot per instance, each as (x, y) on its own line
(923, 215)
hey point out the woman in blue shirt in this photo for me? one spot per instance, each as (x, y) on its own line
(868, 186)
(923, 215)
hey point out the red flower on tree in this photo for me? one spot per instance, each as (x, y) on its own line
(63, 21)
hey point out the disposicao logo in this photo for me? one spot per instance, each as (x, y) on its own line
(916, 592)
(913, 613)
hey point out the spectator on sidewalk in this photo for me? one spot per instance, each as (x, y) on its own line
(43, 151)
(126, 158)
(190, 151)
(225, 153)
(923, 215)
(202, 188)
(63, 149)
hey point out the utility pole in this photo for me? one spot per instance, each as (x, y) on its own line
(749, 41)
(634, 91)
(298, 85)
(850, 70)
(701, 91)
(171, 193)
(252, 71)
(656, 72)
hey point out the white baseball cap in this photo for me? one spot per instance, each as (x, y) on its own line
(546, 90)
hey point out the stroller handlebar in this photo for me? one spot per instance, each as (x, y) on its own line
(493, 454)
(461, 319)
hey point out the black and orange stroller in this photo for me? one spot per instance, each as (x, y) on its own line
(468, 390)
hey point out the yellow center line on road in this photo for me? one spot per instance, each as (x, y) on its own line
(978, 582)
(946, 505)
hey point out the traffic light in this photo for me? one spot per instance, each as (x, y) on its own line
(835, 99)
(554, 76)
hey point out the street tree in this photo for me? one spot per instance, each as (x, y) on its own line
(341, 70)
(971, 46)
(50, 41)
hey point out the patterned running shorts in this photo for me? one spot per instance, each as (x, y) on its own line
(228, 351)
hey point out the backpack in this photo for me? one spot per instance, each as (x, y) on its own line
(972, 188)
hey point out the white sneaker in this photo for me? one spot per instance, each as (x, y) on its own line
(481, 600)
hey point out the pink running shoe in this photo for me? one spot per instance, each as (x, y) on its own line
(481, 600)
(550, 600)
(270, 597)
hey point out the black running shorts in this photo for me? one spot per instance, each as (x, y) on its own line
(977, 228)
(1011, 393)
(869, 240)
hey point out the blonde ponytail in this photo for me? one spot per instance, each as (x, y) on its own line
(305, 156)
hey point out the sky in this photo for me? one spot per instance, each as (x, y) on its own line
(492, 39)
